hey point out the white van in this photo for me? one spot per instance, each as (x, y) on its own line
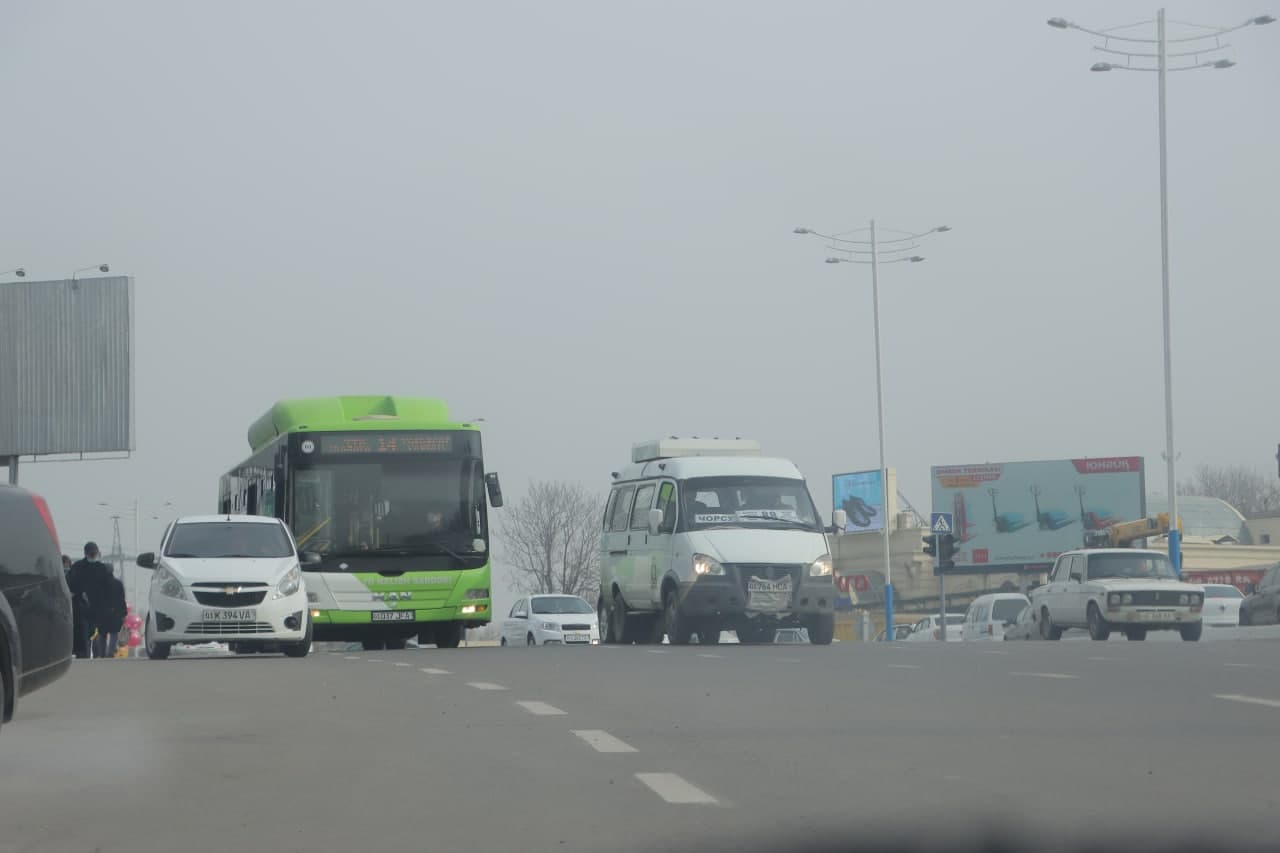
(705, 535)
(989, 615)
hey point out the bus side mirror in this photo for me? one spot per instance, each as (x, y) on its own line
(839, 519)
(655, 521)
(495, 489)
(147, 560)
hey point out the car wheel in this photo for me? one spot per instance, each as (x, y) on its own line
(618, 620)
(677, 627)
(605, 622)
(8, 691)
(822, 629)
(1244, 618)
(1048, 630)
(1137, 635)
(155, 650)
(531, 640)
(449, 635)
(1098, 627)
(301, 648)
(1191, 633)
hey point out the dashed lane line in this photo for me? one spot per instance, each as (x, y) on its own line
(485, 685)
(431, 670)
(541, 709)
(1044, 675)
(705, 655)
(602, 741)
(675, 789)
(1248, 700)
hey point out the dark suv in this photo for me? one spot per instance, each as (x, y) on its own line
(35, 603)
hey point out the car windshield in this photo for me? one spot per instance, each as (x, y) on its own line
(1222, 591)
(228, 539)
(1007, 609)
(1130, 566)
(561, 604)
(755, 502)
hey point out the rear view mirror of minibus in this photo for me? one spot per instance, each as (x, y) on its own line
(839, 519)
(495, 489)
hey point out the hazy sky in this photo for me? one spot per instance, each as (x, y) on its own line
(574, 220)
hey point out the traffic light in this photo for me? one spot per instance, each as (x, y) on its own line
(947, 551)
(931, 545)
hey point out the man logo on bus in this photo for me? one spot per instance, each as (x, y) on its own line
(308, 446)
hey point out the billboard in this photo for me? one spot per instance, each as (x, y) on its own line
(66, 366)
(1014, 516)
(860, 494)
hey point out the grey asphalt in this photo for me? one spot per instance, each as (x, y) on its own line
(760, 747)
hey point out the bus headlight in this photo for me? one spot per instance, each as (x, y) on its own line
(820, 566)
(290, 583)
(704, 565)
(170, 586)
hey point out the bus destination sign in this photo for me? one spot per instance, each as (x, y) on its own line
(376, 443)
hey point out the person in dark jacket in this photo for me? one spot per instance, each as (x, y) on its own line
(114, 614)
(79, 613)
(91, 578)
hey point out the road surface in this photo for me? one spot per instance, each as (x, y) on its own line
(644, 748)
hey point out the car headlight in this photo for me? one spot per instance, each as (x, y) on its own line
(1113, 599)
(704, 565)
(820, 566)
(1184, 599)
(548, 626)
(1197, 599)
(290, 583)
(170, 586)
(1127, 598)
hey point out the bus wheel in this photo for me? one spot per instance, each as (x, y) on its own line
(449, 635)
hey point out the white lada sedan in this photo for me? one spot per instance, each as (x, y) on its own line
(1118, 589)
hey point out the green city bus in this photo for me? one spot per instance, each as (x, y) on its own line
(387, 499)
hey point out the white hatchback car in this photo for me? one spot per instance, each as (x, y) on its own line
(230, 579)
(989, 615)
(551, 620)
(929, 629)
(1222, 605)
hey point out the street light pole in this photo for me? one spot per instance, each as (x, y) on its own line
(884, 472)
(1175, 534)
(1193, 52)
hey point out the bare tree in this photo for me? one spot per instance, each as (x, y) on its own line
(1246, 489)
(552, 539)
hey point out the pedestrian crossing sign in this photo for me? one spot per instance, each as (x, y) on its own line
(940, 523)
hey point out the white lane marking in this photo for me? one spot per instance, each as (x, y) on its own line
(674, 789)
(602, 741)
(705, 655)
(485, 685)
(1248, 700)
(658, 651)
(431, 670)
(902, 666)
(402, 663)
(375, 660)
(351, 657)
(541, 709)
(1044, 674)
(1248, 665)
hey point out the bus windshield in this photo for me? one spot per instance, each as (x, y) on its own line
(400, 504)
(753, 502)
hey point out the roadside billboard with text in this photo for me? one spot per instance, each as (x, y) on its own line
(861, 496)
(1019, 516)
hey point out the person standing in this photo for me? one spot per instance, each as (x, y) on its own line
(90, 577)
(79, 612)
(114, 614)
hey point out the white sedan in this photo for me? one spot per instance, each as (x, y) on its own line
(551, 620)
(1221, 605)
(929, 629)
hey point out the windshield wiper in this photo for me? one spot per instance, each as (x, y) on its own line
(794, 522)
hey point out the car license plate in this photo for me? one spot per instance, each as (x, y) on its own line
(763, 594)
(391, 616)
(577, 638)
(1152, 615)
(242, 615)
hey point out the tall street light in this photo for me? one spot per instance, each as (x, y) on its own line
(1203, 48)
(870, 251)
(136, 512)
(96, 267)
